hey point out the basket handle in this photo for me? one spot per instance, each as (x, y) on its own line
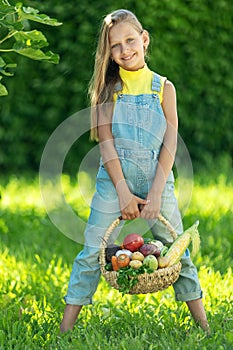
(168, 225)
(115, 223)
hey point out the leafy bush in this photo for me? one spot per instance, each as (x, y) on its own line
(16, 39)
(191, 43)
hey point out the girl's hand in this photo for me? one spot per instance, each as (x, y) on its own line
(129, 203)
(131, 210)
(151, 209)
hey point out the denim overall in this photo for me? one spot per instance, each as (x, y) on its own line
(138, 127)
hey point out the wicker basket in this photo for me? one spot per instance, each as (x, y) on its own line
(147, 282)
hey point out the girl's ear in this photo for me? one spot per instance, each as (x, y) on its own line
(145, 38)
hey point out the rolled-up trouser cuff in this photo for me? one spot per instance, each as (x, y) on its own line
(189, 296)
(74, 301)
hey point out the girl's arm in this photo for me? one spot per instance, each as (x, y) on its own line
(167, 155)
(128, 202)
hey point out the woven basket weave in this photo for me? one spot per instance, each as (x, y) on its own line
(147, 282)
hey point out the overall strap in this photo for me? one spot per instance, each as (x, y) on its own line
(156, 83)
(118, 87)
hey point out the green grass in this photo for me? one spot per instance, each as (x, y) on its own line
(36, 260)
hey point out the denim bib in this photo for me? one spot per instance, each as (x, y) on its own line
(138, 127)
(138, 121)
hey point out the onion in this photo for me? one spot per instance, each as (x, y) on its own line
(124, 251)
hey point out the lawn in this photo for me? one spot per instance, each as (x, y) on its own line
(36, 260)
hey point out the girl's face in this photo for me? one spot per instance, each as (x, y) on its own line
(128, 46)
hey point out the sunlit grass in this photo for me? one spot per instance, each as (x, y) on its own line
(212, 201)
(36, 260)
(23, 194)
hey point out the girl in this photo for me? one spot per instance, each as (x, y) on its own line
(135, 120)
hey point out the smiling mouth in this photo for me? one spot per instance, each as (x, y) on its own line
(128, 58)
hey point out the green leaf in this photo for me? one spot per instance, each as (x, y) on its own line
(32, 14)
(2, 62)
(4, 66)
(6, 9)
(8, 74)
(32, 35)
(7, 16)
(29, 44)
(11, 25)
(34, 39)
(39, 55)
(3, 90)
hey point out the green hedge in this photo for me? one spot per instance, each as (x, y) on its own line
(191, 43)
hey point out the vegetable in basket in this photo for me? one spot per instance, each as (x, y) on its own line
(111, 250)
(123, 260)
(163, 262)
(179, 246)
(133, 242)
(115, 263)
(151, 262)
(150, 249)
(124, 251)
(137, 256)
(135, 264)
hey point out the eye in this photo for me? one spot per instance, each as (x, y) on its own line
(114, 46)
(130, 40)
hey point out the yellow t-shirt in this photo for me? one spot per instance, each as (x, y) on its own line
(139, 82)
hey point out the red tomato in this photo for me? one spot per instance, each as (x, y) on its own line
(133, 242)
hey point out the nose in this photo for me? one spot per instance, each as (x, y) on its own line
(124, 48)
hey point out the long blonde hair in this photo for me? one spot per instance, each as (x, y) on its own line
(106, 71)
